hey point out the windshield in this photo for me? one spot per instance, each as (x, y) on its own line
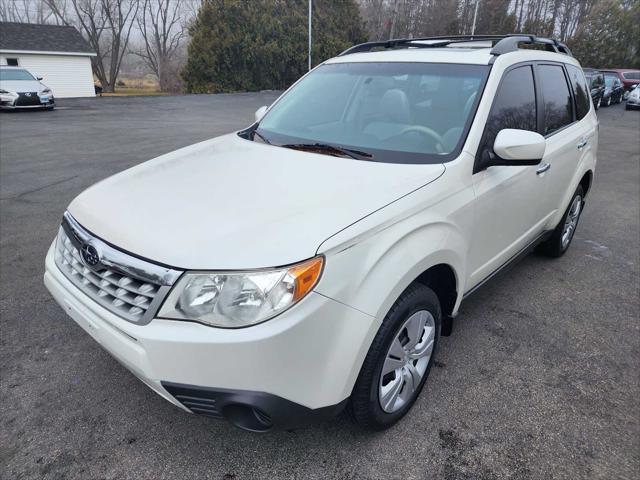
(608, 80)
(11, 74)
(390, 112)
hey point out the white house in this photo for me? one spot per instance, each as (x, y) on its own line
(56, 53)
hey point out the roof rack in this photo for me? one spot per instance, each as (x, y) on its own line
(501, 44)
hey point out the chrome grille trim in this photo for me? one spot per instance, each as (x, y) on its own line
(125, 285)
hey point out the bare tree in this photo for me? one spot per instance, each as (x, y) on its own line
(106, 24)
(25, 11)
(162, 30)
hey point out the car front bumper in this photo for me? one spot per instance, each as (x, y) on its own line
(10, 102)
(633, 103)
(296, 367)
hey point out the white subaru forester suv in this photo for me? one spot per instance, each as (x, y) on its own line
(311, 262)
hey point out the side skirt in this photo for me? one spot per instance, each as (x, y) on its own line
(511, 262)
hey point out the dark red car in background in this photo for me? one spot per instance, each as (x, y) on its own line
(628, 77)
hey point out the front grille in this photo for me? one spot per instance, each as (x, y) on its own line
(133, 296)
(28, 99)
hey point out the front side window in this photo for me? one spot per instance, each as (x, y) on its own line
(580, 90)
(391, 112)
(15, 74)
(514, 105)
(558, 109)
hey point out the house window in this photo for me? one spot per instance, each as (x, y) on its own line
(12, 62)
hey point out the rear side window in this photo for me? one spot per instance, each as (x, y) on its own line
(580, 91)
(631, 75)
(514, 105)
(558, 110)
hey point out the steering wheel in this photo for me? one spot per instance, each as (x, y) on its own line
(432, 135)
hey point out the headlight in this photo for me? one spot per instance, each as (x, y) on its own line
(240, 299)
(3, 90)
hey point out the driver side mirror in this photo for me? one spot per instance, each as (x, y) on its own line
(517, 147)
(260, 112)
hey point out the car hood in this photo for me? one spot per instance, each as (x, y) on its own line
(230, 203)
(21, 85)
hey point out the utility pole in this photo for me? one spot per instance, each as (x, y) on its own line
(394, 16)
(310, 1)
(475, 16)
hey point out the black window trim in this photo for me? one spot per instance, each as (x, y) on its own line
(478, 157)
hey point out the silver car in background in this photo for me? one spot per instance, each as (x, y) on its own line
(20, 89)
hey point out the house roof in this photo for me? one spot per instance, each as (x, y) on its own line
(30, 37)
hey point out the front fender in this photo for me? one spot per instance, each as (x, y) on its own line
(370, 274)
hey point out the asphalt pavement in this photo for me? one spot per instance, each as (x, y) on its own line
(539, 380)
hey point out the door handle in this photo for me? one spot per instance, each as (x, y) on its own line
(543, 168)
(582, 144)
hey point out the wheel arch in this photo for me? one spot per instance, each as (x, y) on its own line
(442, 279)
(586, 181)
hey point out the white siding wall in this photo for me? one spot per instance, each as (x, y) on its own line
(66, 75)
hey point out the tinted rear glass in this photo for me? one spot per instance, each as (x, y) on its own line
(580, 91)
(558, 110)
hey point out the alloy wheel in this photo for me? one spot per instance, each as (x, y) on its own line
(571, 222)
(406, 361)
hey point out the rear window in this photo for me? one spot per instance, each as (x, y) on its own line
(558, 109)
(11, 74)
(580, 91)
(610, 80)
(596, 80)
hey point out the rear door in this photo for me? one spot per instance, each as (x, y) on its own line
(565, 101)
(508, 198)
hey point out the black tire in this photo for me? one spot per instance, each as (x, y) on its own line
(627, 107)
(364, 405)
(553, 246)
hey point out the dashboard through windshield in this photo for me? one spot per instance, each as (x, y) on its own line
(388, 112)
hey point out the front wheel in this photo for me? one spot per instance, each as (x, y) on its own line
(608, 102)
(558, 243)
(598, 103)
(399, 360)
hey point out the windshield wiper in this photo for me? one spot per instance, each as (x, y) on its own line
(261, 137)
(330, 150)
